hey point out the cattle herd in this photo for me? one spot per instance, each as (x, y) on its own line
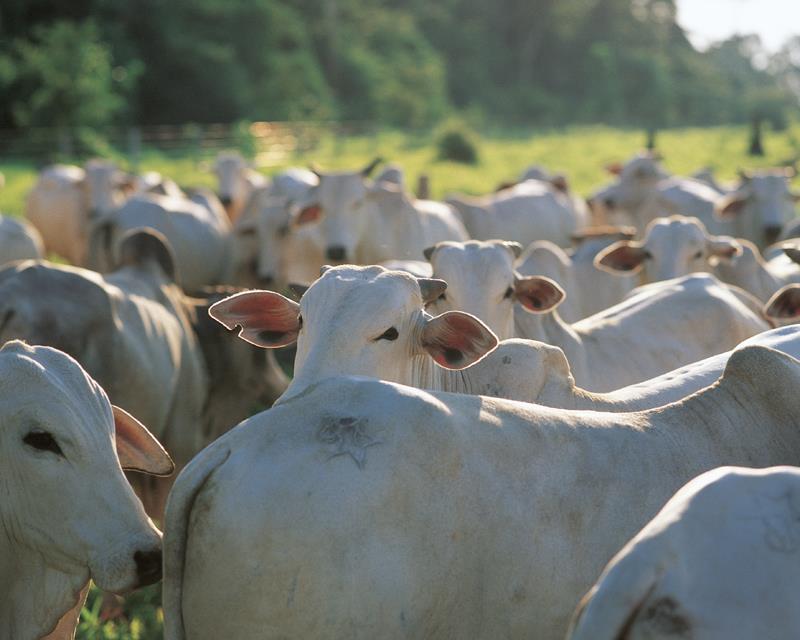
(521, 415)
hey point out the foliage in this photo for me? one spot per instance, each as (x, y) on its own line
(397, 62)
(63, 76)
(455, 142)
(141, 617)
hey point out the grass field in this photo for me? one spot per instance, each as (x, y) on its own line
(581, 153)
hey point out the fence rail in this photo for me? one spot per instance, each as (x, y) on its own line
(269, 143)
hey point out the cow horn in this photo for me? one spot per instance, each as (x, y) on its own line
(371, 167)
(431, 288)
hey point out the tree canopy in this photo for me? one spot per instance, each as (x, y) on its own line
(398, 62)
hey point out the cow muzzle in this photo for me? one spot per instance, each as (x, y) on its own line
(148, 566)
(772, 232)
(336, 254)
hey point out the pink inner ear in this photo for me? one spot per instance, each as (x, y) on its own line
(538, 294)
(137, 449)
(785, 304)
(266, 318)
(310, 214)
(733, 206)
(456, 340)
(622, 257)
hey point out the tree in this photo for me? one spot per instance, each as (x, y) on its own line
(63, 76)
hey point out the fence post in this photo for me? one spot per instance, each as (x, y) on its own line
(134, 148)
(65, 148)
(423, 186)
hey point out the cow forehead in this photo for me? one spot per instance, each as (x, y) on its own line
(457, 261)
(677, 228)
(361, 291)
(36, 376)
(340, 185)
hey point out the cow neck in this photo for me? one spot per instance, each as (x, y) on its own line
(34, 597)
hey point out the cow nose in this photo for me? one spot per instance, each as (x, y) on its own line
(225, 200)
(148, 566)
(771, 232)
(337, 254)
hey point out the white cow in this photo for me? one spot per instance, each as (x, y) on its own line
(67, 513)
(268, 251)
(760, 206)
(528, 211)
(756, 210)
(671, 247)
(155, 350)
(366, 509)
(588, 289)
(64, 200)
(362, 321)
(667, 324)
(237, 181)
(761, 277)
(364, 224)
(536, 372)
(197, 230)
(720, 560)
(19, 240)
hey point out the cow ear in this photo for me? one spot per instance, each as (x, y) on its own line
(622, 256)
(137, 448)
(267, 319)
(731, 205)
(785, 304)
(792, 252)
(614, 168)
(723, 247)
(456, 340)
(538, 294)
(307, 215)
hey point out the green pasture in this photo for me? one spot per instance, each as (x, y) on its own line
(580, 153)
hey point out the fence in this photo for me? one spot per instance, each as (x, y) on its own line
(268, 143)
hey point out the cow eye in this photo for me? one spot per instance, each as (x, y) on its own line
(698, 255)
(442, 297)
(43, 441)
(647, 255)
(299, 322)
(389, 334)
(509, 292)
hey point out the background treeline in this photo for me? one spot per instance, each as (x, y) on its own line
(395, 62)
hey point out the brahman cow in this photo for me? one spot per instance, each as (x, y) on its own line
(362, 223)
(588, 289)
(197, 230)
(66, 198)
(671, 247)
(137, 334)
(237, 182)
(666, 325)
(19, 240)
(365, 509)
(525, 212)
(67, 514)
(761, 277)
(720, 560)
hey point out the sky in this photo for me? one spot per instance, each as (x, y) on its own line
(707, 21)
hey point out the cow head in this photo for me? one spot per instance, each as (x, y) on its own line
(340, 206)
(63, 448)
(482, 281)
(358, 321)
(672, 247)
